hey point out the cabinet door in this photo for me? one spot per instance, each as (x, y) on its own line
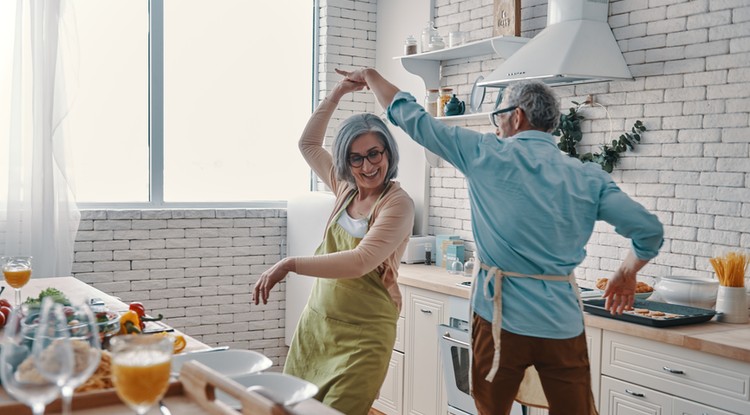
(594, 342)
(424, 390)
(685, 407)
(623, 398)
(391, 396)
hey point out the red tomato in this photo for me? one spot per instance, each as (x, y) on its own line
(4, 302)
(5, 311)
(2, 320)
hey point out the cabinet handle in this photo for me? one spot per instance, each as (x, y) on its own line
(638, 394)
(674, 371)
(426, 311)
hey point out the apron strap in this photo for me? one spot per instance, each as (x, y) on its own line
(496, 275)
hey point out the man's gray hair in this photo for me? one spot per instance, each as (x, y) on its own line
(538, 102)
(349, 130)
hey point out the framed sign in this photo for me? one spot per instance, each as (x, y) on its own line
(507, 18)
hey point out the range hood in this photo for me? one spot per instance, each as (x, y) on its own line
(577, 46)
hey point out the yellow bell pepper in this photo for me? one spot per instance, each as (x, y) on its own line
(130, 323)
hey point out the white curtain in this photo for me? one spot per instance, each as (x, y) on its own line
(38, 213)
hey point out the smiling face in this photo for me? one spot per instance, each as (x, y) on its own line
(369, 175)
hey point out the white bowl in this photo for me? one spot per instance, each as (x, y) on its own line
(689, 291)
(283, 389)
(227, 362)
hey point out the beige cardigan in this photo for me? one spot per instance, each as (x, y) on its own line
(390, 225)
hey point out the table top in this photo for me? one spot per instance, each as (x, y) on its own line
(77, 290)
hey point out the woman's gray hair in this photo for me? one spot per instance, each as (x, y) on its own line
(349, 130)
(538, 102)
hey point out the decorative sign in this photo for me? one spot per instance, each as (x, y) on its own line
(507, 21)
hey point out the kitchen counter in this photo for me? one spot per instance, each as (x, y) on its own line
(722, 339)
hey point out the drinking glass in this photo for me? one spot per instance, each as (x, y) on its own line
(52, 349)
(140, 369)
(17, 272)
(71, 366)
(18, 371)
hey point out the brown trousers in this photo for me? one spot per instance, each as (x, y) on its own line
(563, 366)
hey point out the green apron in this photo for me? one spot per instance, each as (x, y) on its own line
(345, 335)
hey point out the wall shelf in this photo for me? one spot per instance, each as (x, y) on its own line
(427, 65)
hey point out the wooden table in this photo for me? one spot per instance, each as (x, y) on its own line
(77, 290)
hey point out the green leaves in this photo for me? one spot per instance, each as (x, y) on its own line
(569, 131)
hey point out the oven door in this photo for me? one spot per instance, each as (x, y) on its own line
(455, 351)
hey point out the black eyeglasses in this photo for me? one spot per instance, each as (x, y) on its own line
(373, 156)
(494, 114)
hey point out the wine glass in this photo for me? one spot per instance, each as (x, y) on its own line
(52, 349)
(17, 272)
(18, 370)
(84, 338)
(141, 368)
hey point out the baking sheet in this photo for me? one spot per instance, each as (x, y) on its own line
(685, 314)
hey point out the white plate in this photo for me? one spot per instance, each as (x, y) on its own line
(227, 362)
(477, 96)
(283, 389)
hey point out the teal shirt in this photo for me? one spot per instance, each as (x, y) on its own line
(533, 211)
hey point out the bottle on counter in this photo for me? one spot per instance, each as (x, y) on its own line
(428, 254)
(410, 45)
(431, 101)
(469, 267)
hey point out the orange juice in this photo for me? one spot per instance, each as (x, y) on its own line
(17, 278)
(140, 380)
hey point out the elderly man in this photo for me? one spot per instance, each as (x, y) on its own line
(533, 211)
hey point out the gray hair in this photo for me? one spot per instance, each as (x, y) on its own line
(538, 102)
(349, 130)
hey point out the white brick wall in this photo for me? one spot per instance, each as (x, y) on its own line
(691, 86)
(195, 266)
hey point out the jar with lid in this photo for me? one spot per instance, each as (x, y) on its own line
(445, 96)
(436, 43)
(427, 33)
(431, 101)
(469, 267)
(410, 45)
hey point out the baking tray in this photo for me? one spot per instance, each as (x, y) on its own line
(685, 314)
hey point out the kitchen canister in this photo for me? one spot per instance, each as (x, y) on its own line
(731, 302)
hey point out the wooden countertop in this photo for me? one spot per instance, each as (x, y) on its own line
(723, 339)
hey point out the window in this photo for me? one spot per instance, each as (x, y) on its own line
(212, 116)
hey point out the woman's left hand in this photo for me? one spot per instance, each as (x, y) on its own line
(269, 279)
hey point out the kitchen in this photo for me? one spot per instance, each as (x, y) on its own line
(690, 88)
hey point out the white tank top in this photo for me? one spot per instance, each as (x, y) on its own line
(355, 227)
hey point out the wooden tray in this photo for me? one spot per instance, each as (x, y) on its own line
(193, 394)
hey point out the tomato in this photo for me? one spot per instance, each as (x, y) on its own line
(5, 311)
(138, 308)
(4, 302)
(2, 320)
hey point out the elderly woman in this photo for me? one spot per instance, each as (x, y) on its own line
(345, 335)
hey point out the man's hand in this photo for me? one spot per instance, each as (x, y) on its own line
(620, 291)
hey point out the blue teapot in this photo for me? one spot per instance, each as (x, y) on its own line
(454, 106)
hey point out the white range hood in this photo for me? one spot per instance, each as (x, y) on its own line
(577, 46)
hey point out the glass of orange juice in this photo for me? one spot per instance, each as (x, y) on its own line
(141, 366)
(17, 272)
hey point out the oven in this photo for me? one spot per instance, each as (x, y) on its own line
(455, 351)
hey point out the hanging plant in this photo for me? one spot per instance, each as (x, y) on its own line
(569, 131)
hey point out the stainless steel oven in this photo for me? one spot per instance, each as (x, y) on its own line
(455, 351)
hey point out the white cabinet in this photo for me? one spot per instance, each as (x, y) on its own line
(424, 389)
(687, 377)
(623, 398)
(391, 398)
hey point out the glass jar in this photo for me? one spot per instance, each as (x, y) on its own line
(445, 96)
(431, 101)
(436, 43)
(410, 45)
(427, 33)
(469, 267)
